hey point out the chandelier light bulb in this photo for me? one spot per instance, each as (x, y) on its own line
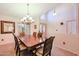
(30, 18)
(54, 14)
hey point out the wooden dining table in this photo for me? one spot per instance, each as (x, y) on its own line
(31, 43)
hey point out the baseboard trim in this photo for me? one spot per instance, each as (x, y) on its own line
(75, 54)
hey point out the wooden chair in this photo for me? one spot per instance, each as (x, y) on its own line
(18, 50)
(46, 49)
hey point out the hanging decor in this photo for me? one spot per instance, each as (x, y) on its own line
(27, 18)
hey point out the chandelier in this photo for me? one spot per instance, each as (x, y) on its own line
(27, 19)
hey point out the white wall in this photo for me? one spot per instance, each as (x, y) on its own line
(36, 22)
(7, 38)
(65, 13)
(7, 44)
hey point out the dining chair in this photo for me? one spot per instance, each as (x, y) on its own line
(46, 49)
(18, 50)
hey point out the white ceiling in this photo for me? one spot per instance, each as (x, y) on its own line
(18, 10)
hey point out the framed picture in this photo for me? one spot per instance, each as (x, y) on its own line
(35, 26)
(7, 27)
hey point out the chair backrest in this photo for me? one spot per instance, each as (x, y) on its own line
(48, 46)
(16, 45)
(34, 35)
(39, 35)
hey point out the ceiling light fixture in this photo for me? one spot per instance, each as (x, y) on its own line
(54, 12)
(27, 18)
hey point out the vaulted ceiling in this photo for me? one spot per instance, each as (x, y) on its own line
(18, 10)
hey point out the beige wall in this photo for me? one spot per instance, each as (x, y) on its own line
(0, 27)
(78, 18)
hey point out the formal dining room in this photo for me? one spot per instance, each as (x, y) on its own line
(39, 29)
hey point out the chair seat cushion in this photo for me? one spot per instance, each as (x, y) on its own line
(22, 47)
(39, 51)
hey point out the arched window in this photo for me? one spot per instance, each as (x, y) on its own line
(43, 25)
(43, 18)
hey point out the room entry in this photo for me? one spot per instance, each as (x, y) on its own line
(43, 29)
